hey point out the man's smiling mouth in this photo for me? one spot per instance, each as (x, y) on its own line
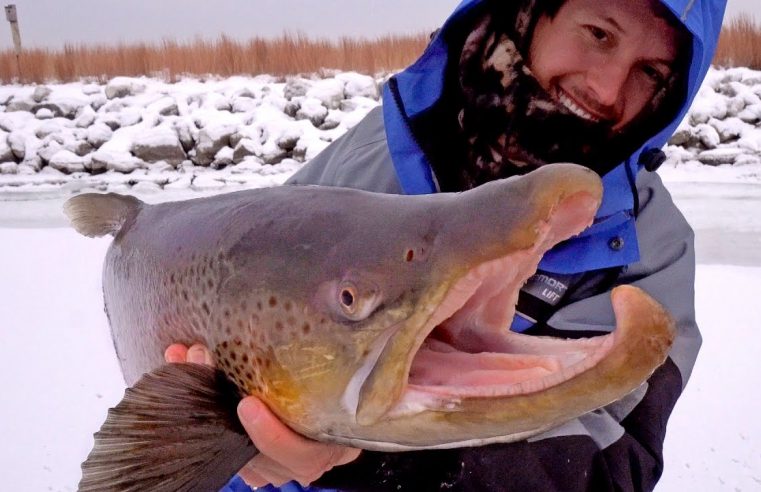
(571, 105)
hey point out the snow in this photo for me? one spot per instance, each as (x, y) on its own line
(57, 366)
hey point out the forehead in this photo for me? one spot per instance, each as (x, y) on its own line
(646, 21)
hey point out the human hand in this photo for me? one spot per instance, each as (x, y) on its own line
(283, 454)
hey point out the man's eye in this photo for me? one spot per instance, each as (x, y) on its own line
(654, 74)
(598, 33)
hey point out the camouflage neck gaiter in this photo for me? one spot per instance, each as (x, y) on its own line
(511, 125)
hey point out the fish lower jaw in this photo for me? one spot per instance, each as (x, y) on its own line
(444, 376)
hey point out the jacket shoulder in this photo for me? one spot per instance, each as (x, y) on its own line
(358, 159)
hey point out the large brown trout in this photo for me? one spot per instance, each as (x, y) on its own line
(377, 321)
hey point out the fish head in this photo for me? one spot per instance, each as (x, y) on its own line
(381, 323)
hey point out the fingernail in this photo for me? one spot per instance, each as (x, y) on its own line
(196, 355)
(248, 410)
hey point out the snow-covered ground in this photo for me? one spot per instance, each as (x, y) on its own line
(58, 373)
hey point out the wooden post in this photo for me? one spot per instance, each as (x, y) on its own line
(10, 14)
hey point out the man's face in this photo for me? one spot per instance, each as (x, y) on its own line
(604, 60)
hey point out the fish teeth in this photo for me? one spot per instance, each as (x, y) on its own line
(575, 108)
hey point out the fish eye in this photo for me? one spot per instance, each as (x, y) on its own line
(347, 298)
(356, 304)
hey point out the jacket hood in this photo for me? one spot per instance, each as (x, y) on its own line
(419, 87)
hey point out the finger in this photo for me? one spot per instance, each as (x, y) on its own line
(265, 471)
(296, 453)
(176, 352)
(252, 477)
(199, 354)
(275, 473)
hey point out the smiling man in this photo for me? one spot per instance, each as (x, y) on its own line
(504, 88)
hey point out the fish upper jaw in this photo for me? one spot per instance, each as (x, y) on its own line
(479, 299)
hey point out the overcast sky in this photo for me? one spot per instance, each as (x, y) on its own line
(51, 23)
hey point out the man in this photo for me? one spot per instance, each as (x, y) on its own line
(506, 87)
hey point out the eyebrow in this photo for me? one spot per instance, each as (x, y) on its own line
(612, 21)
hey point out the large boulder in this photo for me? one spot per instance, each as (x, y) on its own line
(211, 139)
(123, 86)
(67, 162)
(6, 154)
(158, 144)
(122, 162)
(98, 134)
(41, 93)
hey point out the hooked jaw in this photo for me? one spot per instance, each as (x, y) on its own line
(463, 347)
(465, 362)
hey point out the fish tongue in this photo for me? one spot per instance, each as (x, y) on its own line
(176, 429)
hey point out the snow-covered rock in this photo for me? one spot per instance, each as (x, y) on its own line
(124, 86)
(67, 162)
(8, 168)
(41, 93)
(330, 92)
(232, 132)
(158, 144)
(98, 134)
(6, 154)
(211, 139)
(122, 162)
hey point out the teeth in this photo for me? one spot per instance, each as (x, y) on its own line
(575, 109)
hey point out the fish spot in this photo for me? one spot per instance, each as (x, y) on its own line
(210, 283)
(365, 352)
(240, 323)
(259, 305)
(278, 326)
(206, 308)
(245, 358)
(227, 313)
(306, 328)
(225, 345)
(273, 302)
(172, 280)
(287, 305)
(185, 294)
(233, 356)
(249, 376)
(237, 341)
(410, 255)
(228, 330)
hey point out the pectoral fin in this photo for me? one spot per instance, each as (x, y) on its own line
(175, 430)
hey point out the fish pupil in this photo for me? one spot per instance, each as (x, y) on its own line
(347, 298)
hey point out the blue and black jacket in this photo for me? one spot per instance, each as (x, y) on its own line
(639, 238)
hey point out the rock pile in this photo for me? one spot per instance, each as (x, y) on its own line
(137, 124)
(722, 126)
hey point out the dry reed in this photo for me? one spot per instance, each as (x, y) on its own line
(740, 43)
(286, 55)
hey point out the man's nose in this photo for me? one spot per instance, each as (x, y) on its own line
(607, 81)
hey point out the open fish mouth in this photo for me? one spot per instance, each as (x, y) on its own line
(466, 349)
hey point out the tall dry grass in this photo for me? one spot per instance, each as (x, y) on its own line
(285, 55)
(740, 43)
